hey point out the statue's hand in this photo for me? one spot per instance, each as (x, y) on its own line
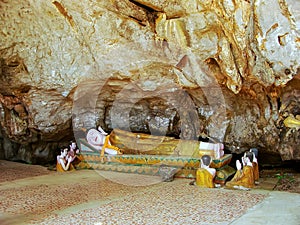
(238, 165)
(70, 159)
(243, 161)
(254, 158)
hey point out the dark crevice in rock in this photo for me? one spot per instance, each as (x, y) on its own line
(141, 22)
(147, 8)
(151, 13)
(214, 67)
(278, 103)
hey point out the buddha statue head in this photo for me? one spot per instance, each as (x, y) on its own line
(205, 160)
(249, 155)
(255, 151)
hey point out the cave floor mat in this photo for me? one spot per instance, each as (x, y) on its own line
(104, 197)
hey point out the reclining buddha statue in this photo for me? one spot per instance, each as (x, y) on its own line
(124, 147)
(124, 142)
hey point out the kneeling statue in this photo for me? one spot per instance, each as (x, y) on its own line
(63, 163)
(205, 175)
(244, 177)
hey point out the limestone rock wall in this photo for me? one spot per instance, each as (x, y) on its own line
(189, 68)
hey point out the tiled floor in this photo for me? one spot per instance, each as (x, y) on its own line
(10, 171)
(90, 197)
(175, 203)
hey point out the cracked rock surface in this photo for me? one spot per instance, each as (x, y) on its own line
(224, 69)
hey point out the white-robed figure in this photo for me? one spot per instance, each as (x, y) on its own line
(99, 139)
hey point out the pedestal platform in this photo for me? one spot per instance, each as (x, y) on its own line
(179, 166)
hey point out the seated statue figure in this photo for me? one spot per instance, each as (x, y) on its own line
(73, 150)
(205, 175)
(74, 153)
(63, 162)
(243, 178)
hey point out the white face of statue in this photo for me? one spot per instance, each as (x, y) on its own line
(94, 137)
(64, 152)
(73, 145)
(246, 160)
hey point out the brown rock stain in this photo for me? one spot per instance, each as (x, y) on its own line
(64, 12)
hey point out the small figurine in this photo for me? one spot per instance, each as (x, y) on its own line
(244, 177)
(74, 153)
(63, 163)
(205, 175)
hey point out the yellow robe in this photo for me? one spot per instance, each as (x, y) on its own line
(204, 178)
(108, 145)
(243, 178)
(59, 167)
(255, 171)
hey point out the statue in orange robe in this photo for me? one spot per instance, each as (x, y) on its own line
(63, 164)
(243, 178)
(205, 175)
(255, 172)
